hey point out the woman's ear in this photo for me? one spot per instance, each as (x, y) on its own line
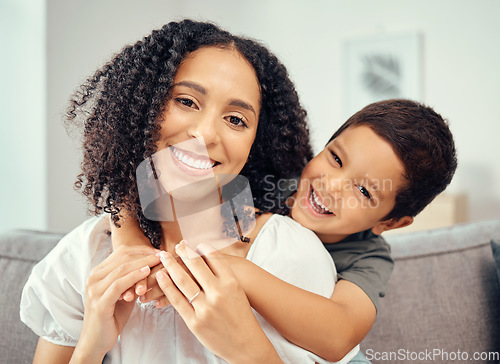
(394, 223)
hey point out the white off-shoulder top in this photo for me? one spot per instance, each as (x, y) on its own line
(53, 304)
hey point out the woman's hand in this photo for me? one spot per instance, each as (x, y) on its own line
(214, 306)
(106, 308)
(148, 289)
(154, 292)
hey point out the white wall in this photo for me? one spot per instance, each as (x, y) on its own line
(460, 70)
(82, 36)
(23, 173)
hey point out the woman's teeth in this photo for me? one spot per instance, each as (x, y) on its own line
(191, 161)
(317, 205)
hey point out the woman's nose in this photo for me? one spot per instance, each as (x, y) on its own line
(205, 126)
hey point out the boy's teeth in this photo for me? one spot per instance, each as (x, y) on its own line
(190, 161)
(318, 206)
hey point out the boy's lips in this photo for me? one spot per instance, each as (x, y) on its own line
(192, 163)
(316, 205)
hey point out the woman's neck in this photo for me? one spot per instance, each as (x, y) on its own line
(195, 227)
(208, 227)
(240, 248)
(170, 235)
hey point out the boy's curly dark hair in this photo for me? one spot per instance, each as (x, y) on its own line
(121, 104)
(421, 139)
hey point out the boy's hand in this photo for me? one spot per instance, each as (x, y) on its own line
(148, 289)
(144, 286)
(141, 287)
(154, 292)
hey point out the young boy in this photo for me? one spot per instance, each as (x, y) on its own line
(378, 171)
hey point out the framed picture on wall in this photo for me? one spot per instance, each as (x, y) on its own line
(381, 67)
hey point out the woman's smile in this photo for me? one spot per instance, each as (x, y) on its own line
(210, 121)
(192, 163)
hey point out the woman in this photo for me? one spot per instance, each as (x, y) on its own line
(187, 80)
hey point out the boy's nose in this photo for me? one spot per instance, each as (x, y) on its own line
(334, 186)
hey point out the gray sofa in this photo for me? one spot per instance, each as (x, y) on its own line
(443, 299)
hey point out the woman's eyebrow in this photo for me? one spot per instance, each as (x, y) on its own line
(192, 85)
(199, 88)
(243, 105)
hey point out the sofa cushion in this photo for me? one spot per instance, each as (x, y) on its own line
(443, 295)
(19, 252)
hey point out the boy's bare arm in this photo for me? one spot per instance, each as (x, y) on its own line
(129, 234)
(329, 328)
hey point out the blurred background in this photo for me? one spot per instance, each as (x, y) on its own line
(49, 47)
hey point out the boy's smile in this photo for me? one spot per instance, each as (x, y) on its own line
(350, 186)
(316, 204)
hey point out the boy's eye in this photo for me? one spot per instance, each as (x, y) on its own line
(364, 191)
(236, 121)
(336, 158)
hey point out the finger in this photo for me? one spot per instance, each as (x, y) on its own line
(122, 270)
(196, 265)
(153, 294)
(123, 252)
(176, 298)
(141, 287)
(153, 291)
(216, 261)
(162, 302)
(115, 260)
(181, 279)
(128, 295)
(113, 293)
(152, 282)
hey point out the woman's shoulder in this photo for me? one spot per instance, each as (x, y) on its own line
(94, 231)
(83, 247)
(52, 299)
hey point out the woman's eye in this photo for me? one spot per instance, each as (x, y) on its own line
(336, 158)
(185, 102)
(364, 191)
(234, 120)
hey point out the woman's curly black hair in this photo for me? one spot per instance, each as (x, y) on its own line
(120, 107)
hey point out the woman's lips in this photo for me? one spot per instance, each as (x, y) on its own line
(192, 163)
